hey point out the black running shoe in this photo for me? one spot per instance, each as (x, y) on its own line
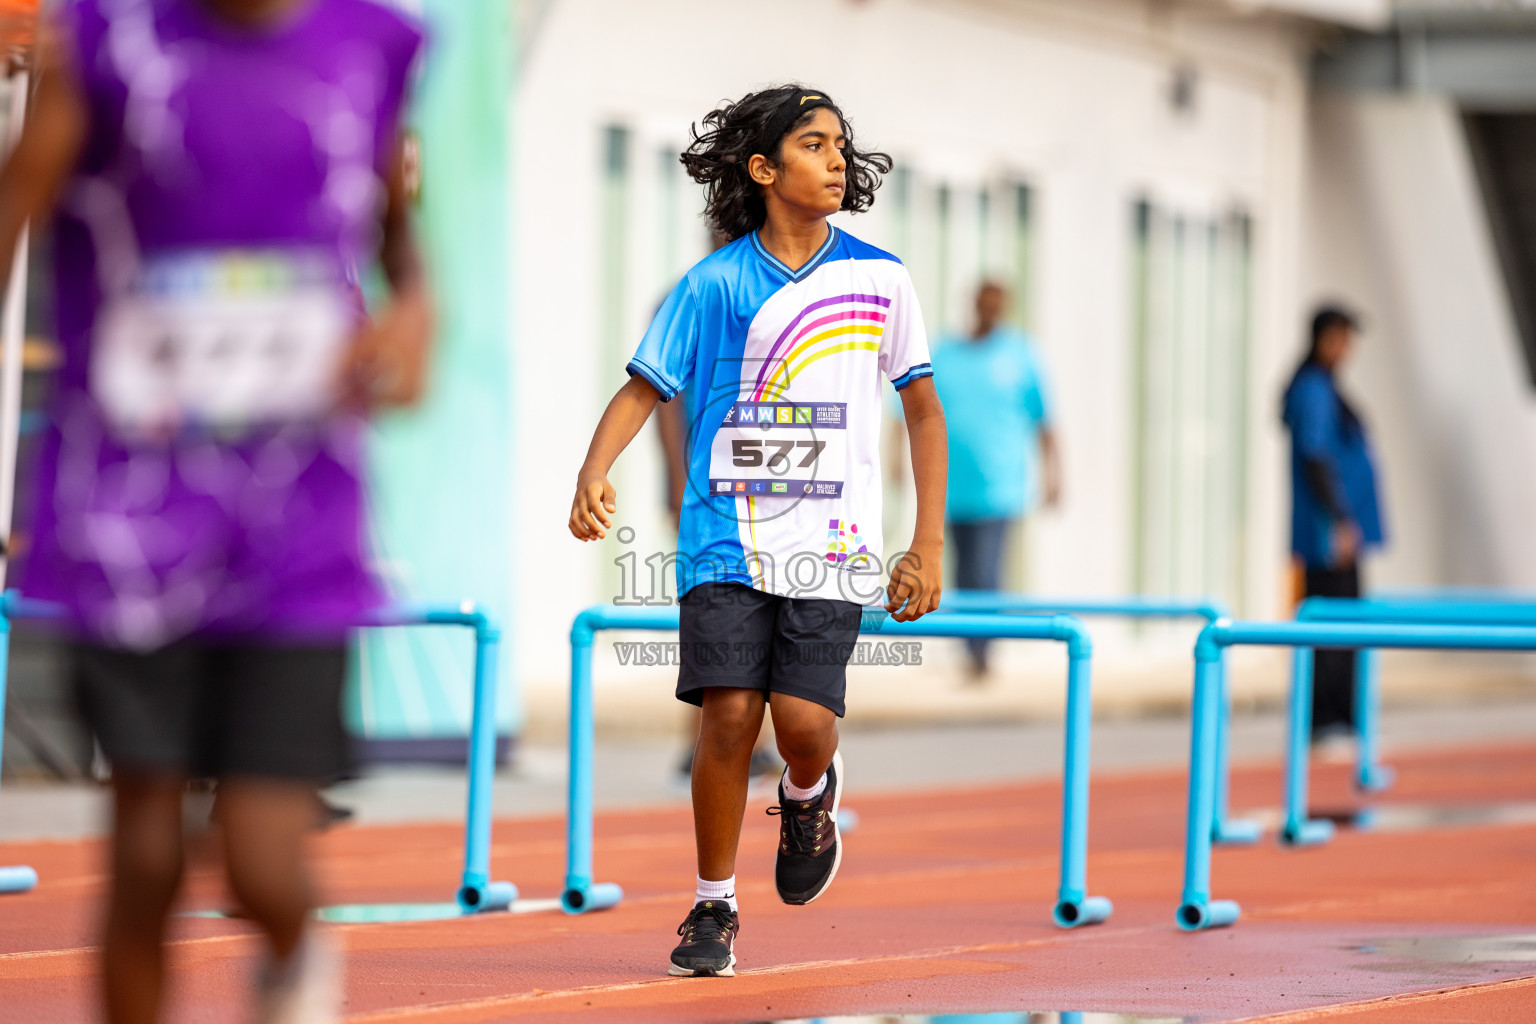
(809, 846)
(709, 937)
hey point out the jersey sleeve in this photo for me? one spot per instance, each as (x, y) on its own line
(904, 346)
(666, 353)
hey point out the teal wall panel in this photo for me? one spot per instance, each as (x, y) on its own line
(441, 473)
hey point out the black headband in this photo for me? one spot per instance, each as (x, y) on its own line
(794, 107)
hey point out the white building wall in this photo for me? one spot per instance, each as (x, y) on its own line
(1397, 228)
(1072, 98)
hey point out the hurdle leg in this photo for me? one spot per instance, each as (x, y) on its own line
(1371, 776)
(1074, 907)
(581, 894)
(1297, 829)
(18, 878)
(1224, 829)
(1197, 910)
(476, 891)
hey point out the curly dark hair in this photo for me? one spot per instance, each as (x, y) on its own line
(758, 123)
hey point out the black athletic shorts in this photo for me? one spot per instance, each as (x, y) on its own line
(735, 636)
(207, 710)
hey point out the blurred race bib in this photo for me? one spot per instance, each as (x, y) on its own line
(784, 449)
(223, 341)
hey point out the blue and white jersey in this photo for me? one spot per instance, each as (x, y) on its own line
(784, 441)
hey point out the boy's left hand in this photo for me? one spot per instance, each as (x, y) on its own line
(916, 583)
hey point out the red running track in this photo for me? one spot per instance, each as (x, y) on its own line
(942, 905)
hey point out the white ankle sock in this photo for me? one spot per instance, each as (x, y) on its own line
(723, 890)
(796, 793)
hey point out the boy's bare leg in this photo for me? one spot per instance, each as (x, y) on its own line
(728, 729)
(694, 717)
(807, 737)
(146, 872)
(265, 825)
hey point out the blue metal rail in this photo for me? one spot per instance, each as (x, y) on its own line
(1449, 609)
(15, 877)
(1196, 908)
(476, 890)
(1224, 829)
(1073, 907)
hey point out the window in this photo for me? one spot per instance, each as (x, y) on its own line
(1503, 146)
(1191, 280)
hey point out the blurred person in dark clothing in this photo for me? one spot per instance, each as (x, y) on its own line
(1335, 513)
(1002, 445)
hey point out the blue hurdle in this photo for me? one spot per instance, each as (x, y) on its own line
(1197, 910)
(1223, 828)
(1074, 907)
(1486, 595)
(1370, 774)
(476, 890)
(18, 877)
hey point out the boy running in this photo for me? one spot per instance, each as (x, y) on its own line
(784, 334)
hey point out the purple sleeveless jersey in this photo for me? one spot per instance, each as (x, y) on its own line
(228, 154)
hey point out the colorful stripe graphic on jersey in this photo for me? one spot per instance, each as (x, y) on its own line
(801, 343)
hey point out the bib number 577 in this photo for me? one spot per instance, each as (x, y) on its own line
(750, 454)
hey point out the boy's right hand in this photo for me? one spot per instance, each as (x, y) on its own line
(593, 508)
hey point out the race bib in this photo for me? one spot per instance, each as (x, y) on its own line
(223, 341)
(785, 449)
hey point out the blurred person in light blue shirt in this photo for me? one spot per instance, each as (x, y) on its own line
(1002, 448)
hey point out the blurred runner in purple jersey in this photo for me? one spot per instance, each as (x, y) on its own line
(222, 173)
